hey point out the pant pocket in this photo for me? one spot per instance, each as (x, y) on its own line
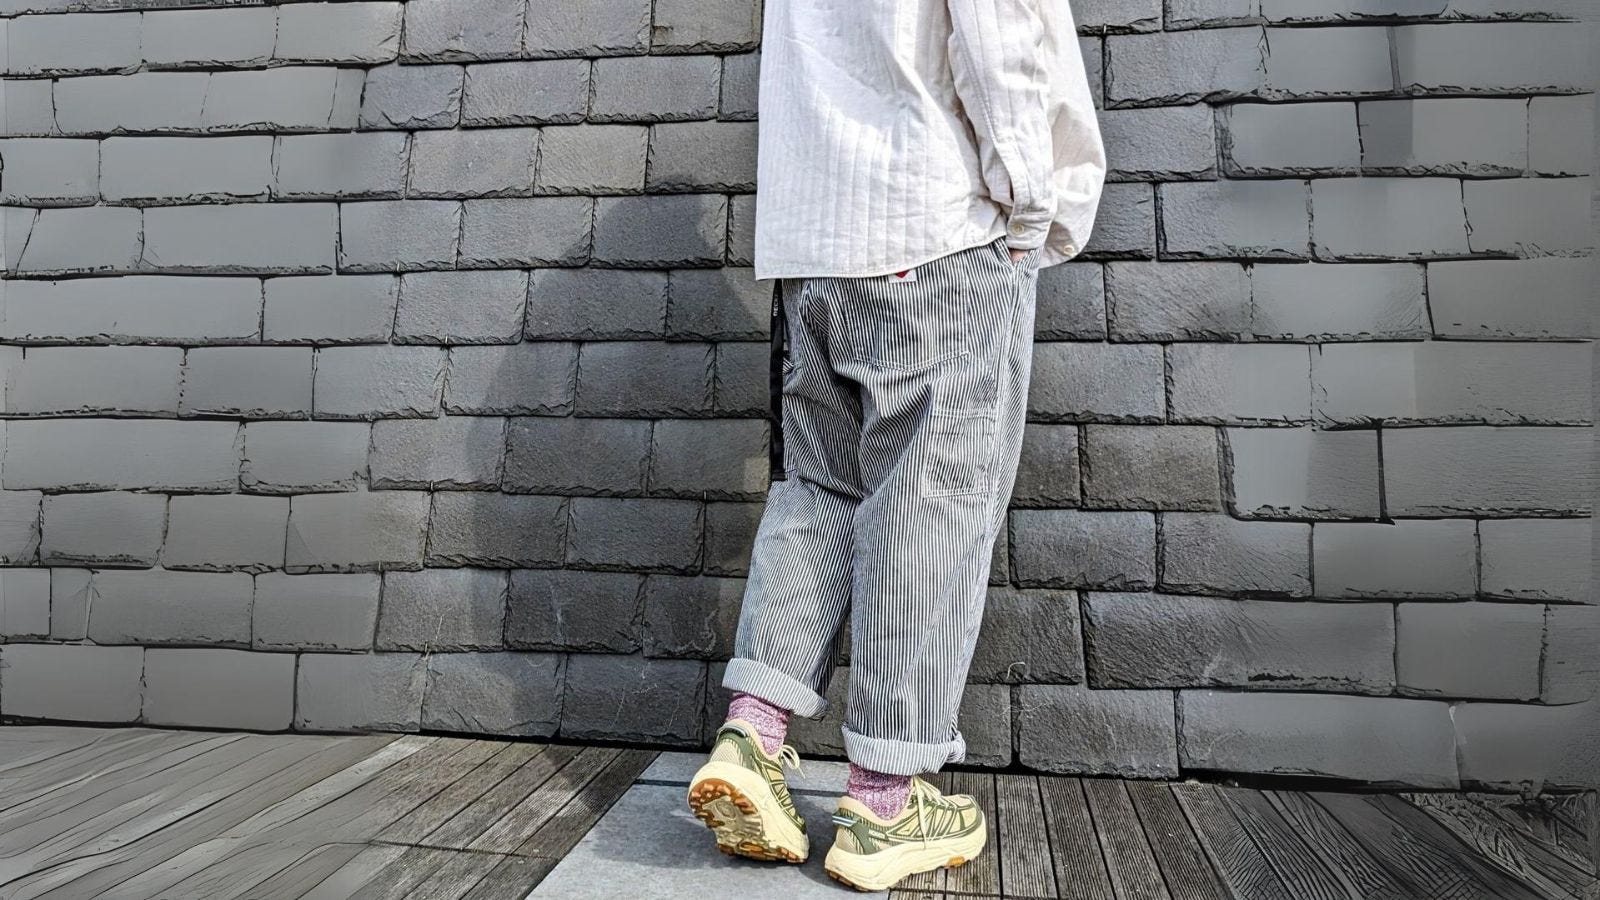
(956, 454)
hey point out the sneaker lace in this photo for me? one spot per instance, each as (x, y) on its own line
(789, 758)
(922, 792)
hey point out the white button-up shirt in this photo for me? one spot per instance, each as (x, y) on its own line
(893, 132)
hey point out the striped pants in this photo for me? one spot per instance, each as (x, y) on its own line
(903, 405)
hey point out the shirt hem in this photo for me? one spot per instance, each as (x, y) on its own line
(762, 274)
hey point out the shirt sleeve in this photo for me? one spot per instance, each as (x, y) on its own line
(1002, 80)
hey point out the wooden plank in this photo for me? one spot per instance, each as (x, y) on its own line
(558, 836)
(1074, 849)
(1419, 848)
(512, 879)
(414, 825)
(1341, 851)
(461, 829)
(1296, 863)
(1235, 856)
(37, 784)
(457, 877)
(1024, 847)
(1184, 865)
(310, 870)
(1538, 823)
(981, 875)
(1510, 849)
(400, 879)
(1129, 861)
(532, 811)
(351, 877)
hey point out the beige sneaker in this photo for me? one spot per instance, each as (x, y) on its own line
(742, 796)
(872, 854)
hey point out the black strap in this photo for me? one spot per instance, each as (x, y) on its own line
(780, 333)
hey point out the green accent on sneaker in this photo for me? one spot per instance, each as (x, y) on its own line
(928, 816)
(751, 755)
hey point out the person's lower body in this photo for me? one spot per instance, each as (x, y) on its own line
(903, 409)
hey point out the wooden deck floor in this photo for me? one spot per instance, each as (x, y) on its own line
(143, 813)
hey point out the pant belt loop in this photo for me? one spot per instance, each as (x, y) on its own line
(780, 332)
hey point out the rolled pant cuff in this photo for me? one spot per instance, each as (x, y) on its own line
(901, 757)
(761, 680)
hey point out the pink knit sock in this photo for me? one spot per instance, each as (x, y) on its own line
(771, 722)
(880, 792)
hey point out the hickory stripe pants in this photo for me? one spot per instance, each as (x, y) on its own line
(903, 402)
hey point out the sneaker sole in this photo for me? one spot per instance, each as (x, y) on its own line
(886, 868)
(739, 821)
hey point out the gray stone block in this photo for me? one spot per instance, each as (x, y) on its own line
(343, 691)
(1302, 473)
(102, 528)
(526, 92)
(1151, 467)
(338, 166)
(1489, 651)
(398, 235)
(1515, 746)
(191, 310)
(1073, 549)
(1529, 216)
(461, 307)
(1160, 142)
(1125, 221)
(314, 612)
(412, 97)
(709, 459)
(1028, 636)
(644, 535)
(24, 603)
(633, 378)
(1265, 219)
(50, 171)
(138, 102)
(1510, 298)
(1387, 218)
(1318, 301)
(1218, 554)
(226, 36)
(1230, 384)
(1537, 559)
(361, 32)
(1160, 640)
(1048, 471)
(566, 609)
(1074, 730)
(438, 30)
(632, 698)
(1184, 66)
(730, 534)
(542, 231)
(291, 98)
(478, 528)
(604, 304)
(219, 688)
(244, 237)
(1445, 136)
(72, 44)
(984, 719)
(1531, 57)
(655, 88)
(71, 594)
(1327, 61)
(295, 457)
(1480, 470)
(74, 683)
(513, 379)
(603, 28)
(330, 309)
(1291, 139)
(1097, 382)
(77, 380)
(1177, 300)
(699, 25)
(702, 156)
(741, 81)
(378, 381)
(30, 108)
(442, 609)
(73, 240)
(225, 531)
(592, 159)
(1071, 303)
(356, 531)
(691, 617)
(19, 526)
(1118, 16)
(247, 382)
(738, 385)
(742, 233)
(687, 230)
(478, 162)
(567, 455)
(85, 454)
(1436, 381)
(726, 304)
(1385, 740)
(1561, 135)
(186, 168)
(445, 453)
(1571, 658)
(493, 693)
(157, 606)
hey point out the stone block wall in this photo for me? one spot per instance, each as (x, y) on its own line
(398, 365)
